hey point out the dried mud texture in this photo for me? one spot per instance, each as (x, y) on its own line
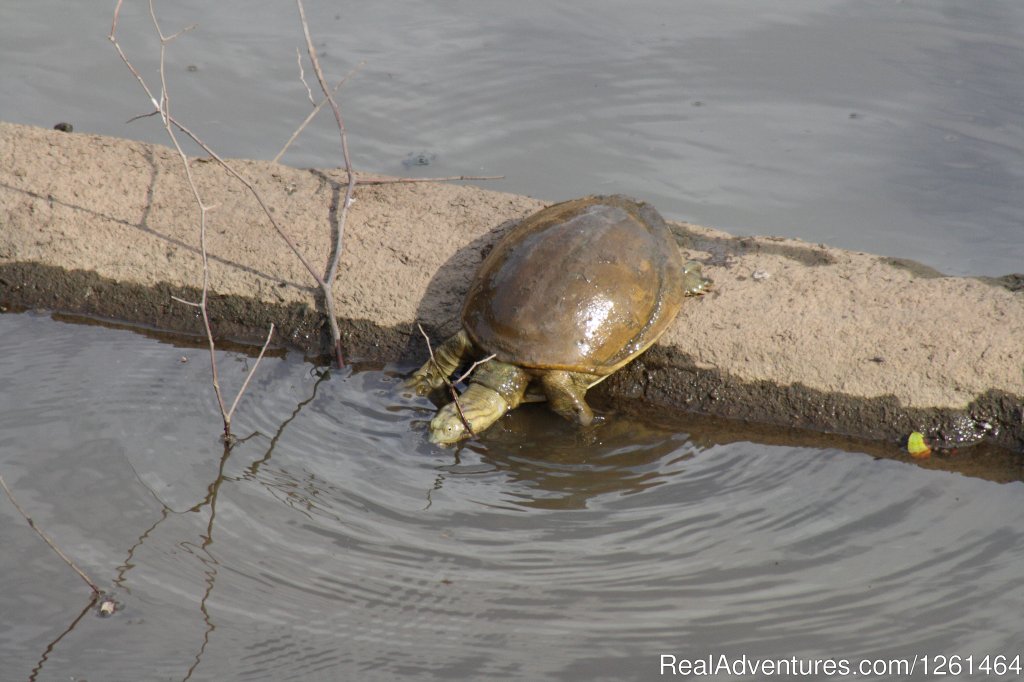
(794, 333)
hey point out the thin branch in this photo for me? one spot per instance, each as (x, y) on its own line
(465, 375)
(316, 109)
(138, 116)
(332, 271)
(383, 180)
(124, 57)
(449, 384)
(252, 371)
(256, 195)
(163, 108)
(183, 301)
(302, 77)
(224, 164)
(81, 574)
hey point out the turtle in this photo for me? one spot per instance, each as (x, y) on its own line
(570, 295)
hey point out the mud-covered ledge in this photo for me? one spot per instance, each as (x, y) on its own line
(796, 334)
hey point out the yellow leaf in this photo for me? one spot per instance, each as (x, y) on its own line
(916, 445)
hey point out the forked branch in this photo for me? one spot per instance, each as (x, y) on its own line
(162, 104)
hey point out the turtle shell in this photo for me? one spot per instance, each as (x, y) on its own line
(584, 286)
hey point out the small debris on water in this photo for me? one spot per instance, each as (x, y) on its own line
(107, 607)
(419, 159)
(917, 447)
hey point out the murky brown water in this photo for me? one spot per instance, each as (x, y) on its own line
(336, 543)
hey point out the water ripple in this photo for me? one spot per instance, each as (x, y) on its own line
(337, 541)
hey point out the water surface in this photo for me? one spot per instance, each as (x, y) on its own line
(334, 542)
(890, 127)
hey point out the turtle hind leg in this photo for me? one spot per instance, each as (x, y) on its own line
(566, 393)
(447, 358)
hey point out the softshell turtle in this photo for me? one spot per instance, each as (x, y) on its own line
(570, 295)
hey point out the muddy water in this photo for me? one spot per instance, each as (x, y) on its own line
(336, 543)
(890, 127)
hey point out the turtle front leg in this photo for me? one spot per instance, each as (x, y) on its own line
(496, 388)
(566, 394)
(447, 358)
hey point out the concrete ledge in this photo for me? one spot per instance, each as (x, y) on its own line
(795, 333)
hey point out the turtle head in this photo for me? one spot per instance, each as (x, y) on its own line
(478, 408)
(447, 427)
(694, 281)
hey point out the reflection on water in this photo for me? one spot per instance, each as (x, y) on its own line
(549, 466)
(334, 542)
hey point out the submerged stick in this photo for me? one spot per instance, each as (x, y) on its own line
(88, 581)
(448, 383)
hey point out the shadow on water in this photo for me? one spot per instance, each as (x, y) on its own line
(552, 465)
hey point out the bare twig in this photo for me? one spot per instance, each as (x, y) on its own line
(248, 377)
(382, 180)
(163, 108)
(332, 271)
(203, 209)
(256, 195)
(302, 77)
(183, 301)
(465, 375)
(81, 574)
(160, 104)
(316, 109)
(448, 383)
(206, 148)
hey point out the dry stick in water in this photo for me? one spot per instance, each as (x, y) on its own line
(81, 574)
(342, 215)
(163, 108)
(449, 384)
